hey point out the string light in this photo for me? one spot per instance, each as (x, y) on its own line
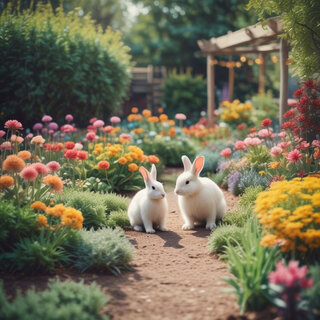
(243, 59)
(250, 62)
(274, 59)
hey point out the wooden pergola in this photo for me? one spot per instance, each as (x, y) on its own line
(257, 39)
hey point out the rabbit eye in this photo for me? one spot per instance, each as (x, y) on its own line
(187, 182)
(153, 188)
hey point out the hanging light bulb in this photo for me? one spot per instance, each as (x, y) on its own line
(243, 59)
(274, 59)
(258, 61)
(238, 64)
(250, 62)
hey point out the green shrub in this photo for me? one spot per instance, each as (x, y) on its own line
(249, 196)
(115, 202)
(250, 265)
(220, 178)
(58, 63)
(259, 157)
(251, 178)
(223, 235)
(41, 253)
(92, 205)
(312, 295)
(103, 249)
(238, 217)
(265, 106)
(212, 159)
(62, 300)
(118, 219)
(184, 93)
(15, 223)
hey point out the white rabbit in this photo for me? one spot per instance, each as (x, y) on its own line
(200, 199)
(149, 207)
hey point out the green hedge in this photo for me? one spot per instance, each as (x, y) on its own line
(58, 63)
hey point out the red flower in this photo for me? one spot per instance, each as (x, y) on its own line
(103, 165)
(289, 114)
(294, 156)
(240, 126)
(253, 130)
(298, 93)
(82, 155)
(69, 145)
(13, 124)
(71, 154)
(266, 122)
(301, 173)
(288, 125)
(309, 83)
(91, 136)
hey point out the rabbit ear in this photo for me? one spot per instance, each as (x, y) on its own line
(153, 172)
(145, 174)
(186, 163)
(198, 165)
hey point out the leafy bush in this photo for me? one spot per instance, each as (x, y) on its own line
(118, 219)
(250, 265)
(169, 150)
(39, 253)
(312, 295)
(250, 195)
(251, 178)
(64, 63)
(258, 157)
(212, 159)
(15, 223)
(223, 235)
(92, 205)
(265, 106)
(184, 93)
(115, 202)
(238, 217)
(62, 300)
(103, 249)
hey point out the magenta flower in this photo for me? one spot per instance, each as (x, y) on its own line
(67, 128)
(263, 133)
(44, 130)
(53, 126)
(46, 118)
(53, 166)
(13, 125)
(240, 145)
(115, 119)
(91, 136)
(29, 136)
(275, 151)
(98, 124)
(284, 144)
(252, 141)
(69, 117)
(304, 145)
(2, 133)
(37, 126)
(29, 173)
(180, 116)
(40, 168)
(294, 156)
(92, 120)
(282, 134)
(5, 146)
(226, 152)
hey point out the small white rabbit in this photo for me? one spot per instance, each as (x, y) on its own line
(149, 207)
(200, 199)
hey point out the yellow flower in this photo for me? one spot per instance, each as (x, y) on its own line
(262, 172)
(38, 205)
(56, 211)
(72, 218)
(316, 199)
(42, 220)
(274, 165)
(268, 240)
(122, 160)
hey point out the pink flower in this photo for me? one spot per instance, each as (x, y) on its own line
(98, 124)
(240, 145)
(180, 116)
(108, 129)
(5, 146)
(53, 166)
(263, 133)
(252, 141)
(53, 126)
(29, 136)
(78, 146)
(294, 156)
(316, 143)
(125, 136)
(40, 168)
(291, 275)
(275, 151)
(304, 145)
(37, 126)
(44, 130)
(69, 117)
(46, 118)
(17, 139)
(82, 155)
(282, 134)
(38, 139)
(29, 174)
(91, 136)
(284, 145)
(115, 119)
(67, 128)
(2, 133)
(92, 120)
(13, 124)
(226, 152)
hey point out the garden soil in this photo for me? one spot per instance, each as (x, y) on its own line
(174, 277)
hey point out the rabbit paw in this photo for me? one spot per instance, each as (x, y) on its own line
(163, 229)
(187, 226)
(138, 228)
(210, 225)
(150, 231)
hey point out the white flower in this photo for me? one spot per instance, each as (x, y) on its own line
(80, 13)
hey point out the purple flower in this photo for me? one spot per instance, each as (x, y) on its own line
(46, 118)
(53, 126)
(37, 126)
(233, 181)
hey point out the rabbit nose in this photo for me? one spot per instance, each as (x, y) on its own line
(163, 195)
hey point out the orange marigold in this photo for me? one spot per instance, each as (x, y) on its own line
(133, 167)
(42, 220)
(103, 165)
(13, 163)
(134, 110)
(38, 205)
(72, 218)
(163, 117)
(6, 181)
(146, 113)
(56, 211)
(54, 182)
(153, 159)
(24, 154)
(153, 119)
(122, 160)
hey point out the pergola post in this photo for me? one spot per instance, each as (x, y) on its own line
(210, 89)
(231, 78)
(262, 68)
(283, 79)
